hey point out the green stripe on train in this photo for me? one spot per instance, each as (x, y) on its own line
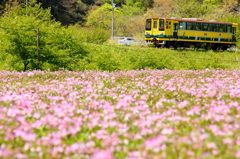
(167, 37)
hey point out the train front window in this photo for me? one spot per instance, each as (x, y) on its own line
(148, 24)
(161, 25)
(154, 24)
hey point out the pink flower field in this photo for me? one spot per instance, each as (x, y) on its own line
(144, 114)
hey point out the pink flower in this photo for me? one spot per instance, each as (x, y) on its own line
(238, 142)
(26, 103)
(211, 145)
(36, 115)
(215, 151)
(4, 153)
(6, 98)
(237, 154)
(20, 156)
(183, 104)
(30, 74)
(121, 103)
(102, 154)
(228, 141)
(166, 131)
(128, 98)
(55, 141)
(75, 147)
(155, 142)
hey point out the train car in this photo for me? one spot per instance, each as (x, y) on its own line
(190, 32)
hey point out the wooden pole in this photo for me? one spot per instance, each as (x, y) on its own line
(113, 6)
(38, 50)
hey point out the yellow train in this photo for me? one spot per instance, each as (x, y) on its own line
(190, 32)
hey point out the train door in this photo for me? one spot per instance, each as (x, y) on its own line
(168, 29)
(234, 34)
(155, 27)
(175, 31)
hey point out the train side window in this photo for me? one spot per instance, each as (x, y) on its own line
(234, 30)
(229, 28)
(215, 27)
(222, 28)
(205, 26)
(234, 34)
(184, 26)
(148, 24)
(218, 27)
(210, 27)
(180, 25)
(193, 26)
(189, 25)
(198, 26)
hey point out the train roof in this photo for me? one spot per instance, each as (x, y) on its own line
(197, 20)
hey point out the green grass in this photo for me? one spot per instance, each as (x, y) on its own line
(116, 57)
(111, 58)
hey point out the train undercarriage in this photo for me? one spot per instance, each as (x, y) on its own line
(194, 45)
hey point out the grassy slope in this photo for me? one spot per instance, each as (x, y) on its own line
(105, 57)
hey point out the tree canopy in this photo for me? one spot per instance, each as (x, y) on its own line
(21, 39)
(78, 11)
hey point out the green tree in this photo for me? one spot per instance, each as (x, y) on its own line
(125, 19)
(129, 21)
(101, 17)
(58, 48)
(67, 12)
(190, 9)
(221, 9)
(161, 8)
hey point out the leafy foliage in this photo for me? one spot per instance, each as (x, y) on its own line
(161, 7)
(101, 17)
(58, 49)
(189, 9)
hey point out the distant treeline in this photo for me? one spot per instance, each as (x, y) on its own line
(77, 11)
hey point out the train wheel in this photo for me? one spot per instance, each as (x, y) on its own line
(167, 45)
(175, 45)
(207, 47)
(215, 47)
(224, 47)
